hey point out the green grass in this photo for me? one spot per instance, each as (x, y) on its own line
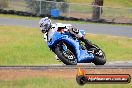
(113, 3)
(20, 17)
(25, 46)
(38, 18)
(47, 82)
(120, 9)
(118, 3)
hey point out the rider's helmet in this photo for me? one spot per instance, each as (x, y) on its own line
(45, 24)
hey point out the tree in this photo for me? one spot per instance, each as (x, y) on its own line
(97, 9)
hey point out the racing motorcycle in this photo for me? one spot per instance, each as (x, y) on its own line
(70, 50)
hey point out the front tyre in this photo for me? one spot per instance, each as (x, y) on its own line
(67, 58)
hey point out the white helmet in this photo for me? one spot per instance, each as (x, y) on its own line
(45, 24)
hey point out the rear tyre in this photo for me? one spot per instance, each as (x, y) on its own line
(100, 58)
(67, 58)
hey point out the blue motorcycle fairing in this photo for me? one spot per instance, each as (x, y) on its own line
(57, 37)
(85, 57)
(80, 54)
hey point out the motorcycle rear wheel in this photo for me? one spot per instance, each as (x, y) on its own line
(99, 59)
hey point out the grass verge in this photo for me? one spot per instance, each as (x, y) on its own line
(25, 46)
(113, 3)
(38, 18)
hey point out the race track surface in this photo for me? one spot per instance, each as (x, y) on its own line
(109, 65)
(116, 30)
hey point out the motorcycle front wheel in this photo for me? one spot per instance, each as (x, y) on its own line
(67, 57)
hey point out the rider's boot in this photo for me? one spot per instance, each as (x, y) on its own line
(87, 43)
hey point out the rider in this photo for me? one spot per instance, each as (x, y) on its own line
(49, 29)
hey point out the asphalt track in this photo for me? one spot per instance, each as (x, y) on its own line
(116, 30)
(108, 65)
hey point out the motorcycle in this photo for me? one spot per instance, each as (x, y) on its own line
(70, 50)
